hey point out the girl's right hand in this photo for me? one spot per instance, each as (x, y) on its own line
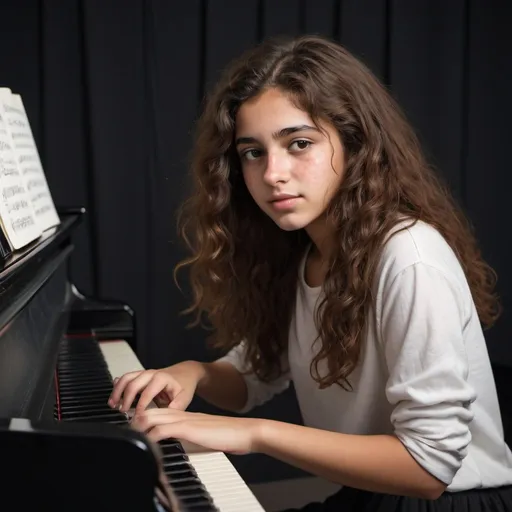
(169, 387)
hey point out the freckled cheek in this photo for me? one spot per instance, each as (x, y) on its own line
(317, 172)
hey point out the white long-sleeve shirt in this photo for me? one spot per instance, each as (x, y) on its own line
(424, 373)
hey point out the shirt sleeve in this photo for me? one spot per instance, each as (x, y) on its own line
(421, 327)
(258, 392)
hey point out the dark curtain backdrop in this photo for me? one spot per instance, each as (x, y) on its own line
(113, 87)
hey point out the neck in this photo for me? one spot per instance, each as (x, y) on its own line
(321, 238)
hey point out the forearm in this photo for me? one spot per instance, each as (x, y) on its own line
(378, 463)
(222, 385)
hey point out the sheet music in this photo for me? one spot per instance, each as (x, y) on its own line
(16, 213)
(29, 163)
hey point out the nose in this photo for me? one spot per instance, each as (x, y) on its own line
(277, 169)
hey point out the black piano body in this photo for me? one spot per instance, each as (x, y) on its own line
(62, 447)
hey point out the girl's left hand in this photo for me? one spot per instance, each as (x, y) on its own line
(219, 433)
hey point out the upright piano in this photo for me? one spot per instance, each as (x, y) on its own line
(61, 446)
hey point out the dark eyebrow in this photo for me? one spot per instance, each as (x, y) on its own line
(277, 135)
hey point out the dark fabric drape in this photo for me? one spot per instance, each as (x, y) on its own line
(113, 87)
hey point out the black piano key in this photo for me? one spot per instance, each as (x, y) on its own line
(174, 457)
(190, 493)
(78, 401)
(85, 382)
(103, 418)
(100, 389)
(202, 507)
(85, 377)
(106, 417)
(191, 502)
(188, 485)
(82, 392)
(186, 470)
(68, 365)
(87, 409)
(172, 451)
(81, 356)
(169, 443)
(91, 360)
(186, 479)
(174, 462)
(182, 469)
(83, 406)
(76, 373)
(66, 393)
(81, 401)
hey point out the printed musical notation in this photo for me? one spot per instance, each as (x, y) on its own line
(22, 204)
(28, 161)
(16, 212)
(23, 223)
(14, 190)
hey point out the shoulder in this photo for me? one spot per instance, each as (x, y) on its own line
(419, 252)
(410, 244)
(420, 285)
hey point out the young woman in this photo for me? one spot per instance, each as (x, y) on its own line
(325, 252)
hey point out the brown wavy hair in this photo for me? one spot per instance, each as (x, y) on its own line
(244, 269)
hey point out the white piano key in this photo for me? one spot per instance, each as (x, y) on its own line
(226, 487)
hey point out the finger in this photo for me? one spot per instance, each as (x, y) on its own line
(160, 419)
(175, 430)
(163, 412)
(155, 386)
(151, 417)
(119, 385)
(134, 387)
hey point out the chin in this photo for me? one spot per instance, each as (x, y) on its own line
(288, 224)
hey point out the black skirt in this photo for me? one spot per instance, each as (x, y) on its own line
(348, 499)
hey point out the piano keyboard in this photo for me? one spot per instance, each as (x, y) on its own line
(203, 480)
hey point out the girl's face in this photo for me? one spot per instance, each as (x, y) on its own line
(290, 168)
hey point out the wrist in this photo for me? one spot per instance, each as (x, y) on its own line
(193, 369)
(200, 372)
(262, 431)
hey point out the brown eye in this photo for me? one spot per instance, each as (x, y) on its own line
(300, 145)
